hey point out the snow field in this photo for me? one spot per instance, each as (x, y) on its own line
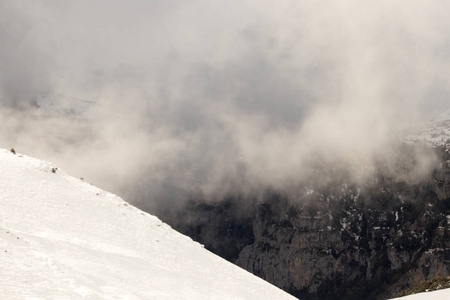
(62, 238)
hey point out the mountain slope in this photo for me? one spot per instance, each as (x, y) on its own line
(435, 295)
(335, 237)
(54, 105)
(62, 238)
(435, 132)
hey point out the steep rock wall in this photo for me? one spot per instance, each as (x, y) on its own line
(336, 239)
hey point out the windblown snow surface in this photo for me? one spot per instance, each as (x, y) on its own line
(62, 238)
(435, 295)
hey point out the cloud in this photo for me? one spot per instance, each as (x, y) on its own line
(200, 98)
(23, 63)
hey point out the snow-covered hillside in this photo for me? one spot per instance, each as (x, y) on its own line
(435, 295)
(62, 238)
(435, 132)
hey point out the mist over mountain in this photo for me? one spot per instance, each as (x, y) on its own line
(62, 238)
(253, 127)
(433, 133)
(207, 98)
(333, 237)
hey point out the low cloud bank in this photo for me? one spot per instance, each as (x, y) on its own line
(199, 99)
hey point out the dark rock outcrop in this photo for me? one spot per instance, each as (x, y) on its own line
(442, 180)
(225, 227)
(337, 239)
(363, 244)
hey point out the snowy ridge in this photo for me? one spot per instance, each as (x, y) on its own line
(62, 238)
(435, 295)
(434, 133)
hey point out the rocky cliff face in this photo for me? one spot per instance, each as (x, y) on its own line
(358, 245)
(442, 180)
(335, 240)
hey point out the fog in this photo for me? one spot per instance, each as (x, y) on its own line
(200, 98)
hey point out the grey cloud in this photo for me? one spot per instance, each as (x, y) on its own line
(24, 66)
(202, 98)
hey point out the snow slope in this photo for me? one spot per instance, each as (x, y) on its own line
(62, 238)
(435, 295)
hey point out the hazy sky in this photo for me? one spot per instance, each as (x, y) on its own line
(200, 96)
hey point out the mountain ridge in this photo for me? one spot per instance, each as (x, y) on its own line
(62, 238)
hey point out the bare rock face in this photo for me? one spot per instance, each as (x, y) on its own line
(353, 242)
(336, 239)
(442, 180)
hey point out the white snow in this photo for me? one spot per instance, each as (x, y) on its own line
(62, 238)
(434, 295)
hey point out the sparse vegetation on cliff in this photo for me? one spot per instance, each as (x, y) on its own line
(437, 283)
